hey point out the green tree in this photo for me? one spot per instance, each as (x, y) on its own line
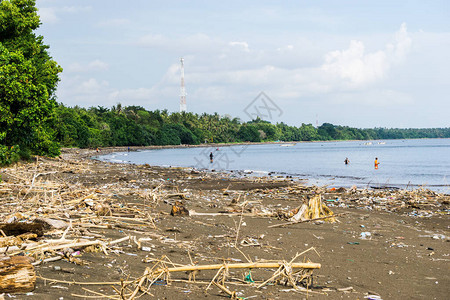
(308, 133)
(249, 133)
(28, 80)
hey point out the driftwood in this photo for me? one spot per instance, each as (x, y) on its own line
(17, 275)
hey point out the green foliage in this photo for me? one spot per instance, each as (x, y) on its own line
(133, 125)
(9, 155)
(249, 133)
(28, 80)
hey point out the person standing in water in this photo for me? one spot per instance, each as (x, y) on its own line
(376, 163)
(346, 161)
(211, 157)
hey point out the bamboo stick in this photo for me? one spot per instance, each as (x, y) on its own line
(224, 289)
(83, 283)
(194, 213)
(241, 266)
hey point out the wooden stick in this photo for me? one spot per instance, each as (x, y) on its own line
(304, 221)
(83, 283)
(50, 259)
(72, 244)
(194, 213)
(141, 282)
(100, 294)
(239, 227)
(242, 266)
(224, 289)
(214, 278)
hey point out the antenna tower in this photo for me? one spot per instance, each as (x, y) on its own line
(183, 89)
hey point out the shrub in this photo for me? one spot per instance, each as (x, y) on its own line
(9, 155)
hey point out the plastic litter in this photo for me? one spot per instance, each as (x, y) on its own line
(365, 235)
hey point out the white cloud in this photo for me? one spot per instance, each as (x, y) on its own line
(52, 15)
(48, 15)
(114, 23)
(242, 45)
(196, 43)
(95, 65)
(132, 94)
(374, 98)
(403, 43)
(223, 75)
(75, 9)
(92, 85)
(98, 65)
(356, 67)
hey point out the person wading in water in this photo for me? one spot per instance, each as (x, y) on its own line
(376, 163)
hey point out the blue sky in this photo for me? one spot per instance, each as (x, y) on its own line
(356, 63)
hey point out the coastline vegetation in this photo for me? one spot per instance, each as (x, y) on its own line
(28, 81)
(135, 126)
(33, 123)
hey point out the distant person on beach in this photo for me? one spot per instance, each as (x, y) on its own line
(97, 150)
(346, 161)
(211, 157)
(376, 163)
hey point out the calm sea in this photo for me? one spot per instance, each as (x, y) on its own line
(403, 163)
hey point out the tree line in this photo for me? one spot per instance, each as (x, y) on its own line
(135, 126)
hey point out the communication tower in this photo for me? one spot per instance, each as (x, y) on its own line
(183, 89)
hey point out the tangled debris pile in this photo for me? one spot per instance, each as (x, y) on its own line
(419, 202)
(47, 217)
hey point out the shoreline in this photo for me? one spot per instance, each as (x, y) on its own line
(336, 181)
(215, 145)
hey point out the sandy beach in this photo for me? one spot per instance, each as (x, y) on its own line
(385, 244)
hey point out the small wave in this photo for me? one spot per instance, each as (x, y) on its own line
(117, 161)
(256, 172)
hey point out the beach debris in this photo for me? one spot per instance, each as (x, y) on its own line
(286, 271)
(313, 210)
(102, 209)
(178, 209)
(373, 297)
(366, 235)
(18, 228)
(86, 206)
(163, 272)
(17, 274)
(52, 223)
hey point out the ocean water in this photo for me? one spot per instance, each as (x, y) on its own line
(403, 163)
